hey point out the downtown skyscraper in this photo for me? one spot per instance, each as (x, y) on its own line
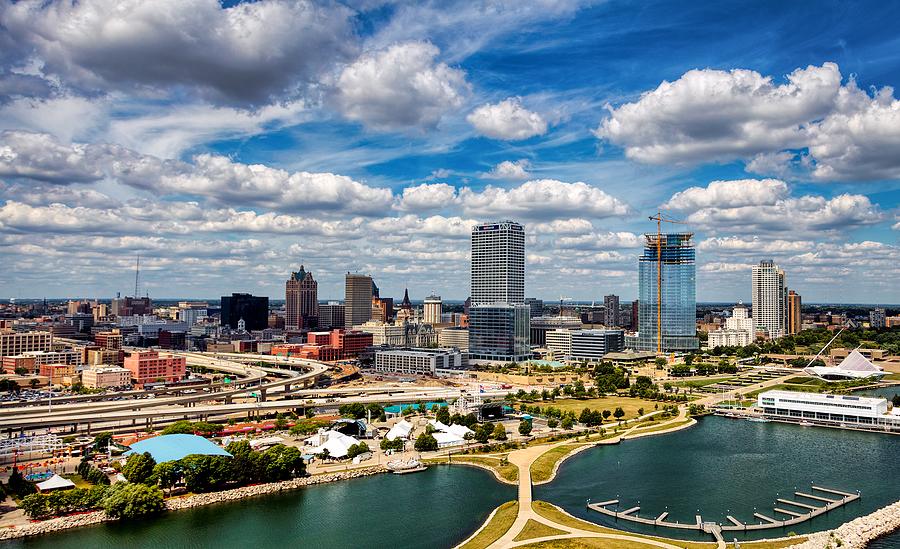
(667, 279)
(770, 297)
(301, 301)
(358, 292)
(498, 315)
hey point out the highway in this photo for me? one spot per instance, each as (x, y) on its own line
(134, 413)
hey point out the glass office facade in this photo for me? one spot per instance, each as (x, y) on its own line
(678, 293)
(499, 332)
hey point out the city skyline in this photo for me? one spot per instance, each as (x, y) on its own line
(228, 168)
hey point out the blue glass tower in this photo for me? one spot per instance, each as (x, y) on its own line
(678, 296)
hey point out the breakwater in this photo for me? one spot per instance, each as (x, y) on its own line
(857, 533)
(195, 500)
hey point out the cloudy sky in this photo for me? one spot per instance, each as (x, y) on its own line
(226, 143)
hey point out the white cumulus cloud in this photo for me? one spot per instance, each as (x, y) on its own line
(507, 120)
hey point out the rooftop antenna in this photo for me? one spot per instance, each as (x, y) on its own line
(137, 274)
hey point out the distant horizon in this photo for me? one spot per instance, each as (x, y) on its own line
(453, 301)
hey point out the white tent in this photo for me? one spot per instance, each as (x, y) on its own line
(854, 366)
(400, 430)
(459, 430)
(335, 442)
(447, 439)
(55, 482)
(438, 426)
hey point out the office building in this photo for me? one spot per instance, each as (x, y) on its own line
(253, 310)
(301, 301)
(130, 306)
(535, 306)
(585, 345)
(331, 315)
(150, 367)
(499, 327)
(795, 313)
(358, 294)
(877, 318)
(16, 343)
(433, 309)
(106, 377)
(499, 333)
(769, 298)
(81, 321)
(58, 374)
(454, 337)
(667, 295)
(422, 362)
(541, 325)
(498, 263)
(635, 314)
(192, 316)
(611, 310)
(382, 308)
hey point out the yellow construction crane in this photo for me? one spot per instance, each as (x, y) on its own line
(660, 218)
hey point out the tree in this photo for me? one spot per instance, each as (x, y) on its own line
(181, 427)
(129, 501)
(426, 443)
(101, 442)
(281, 462)
(585, 416)
(139, 468)
(443, 415)
(552, 423)
(660, 363)
(640, 412)
(483, 433)
(567, 423)
(357, 449)
(35, 506)
(499, 432)
(524, 427)
(355, 410)
(167, 474)
(205, 473)
(396, 444)
(18, 485)
(619, 413)
(423, 409)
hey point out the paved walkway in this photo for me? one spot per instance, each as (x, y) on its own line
(524, 459)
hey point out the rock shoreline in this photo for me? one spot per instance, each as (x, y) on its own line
(857, 533)
(188, 502)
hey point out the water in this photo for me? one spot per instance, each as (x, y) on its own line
(890, 541)
(436, 508)
(729, 467)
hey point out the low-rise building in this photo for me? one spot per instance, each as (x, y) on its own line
(150, 366)
(15, 343)
(454, 337)
(59, 374)
(424, 362)
(584, 345)
(106, 377)
(841, 410)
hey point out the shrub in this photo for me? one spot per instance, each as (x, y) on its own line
(130, 501)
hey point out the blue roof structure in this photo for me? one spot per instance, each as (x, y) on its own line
(174, 447)
(398, 408)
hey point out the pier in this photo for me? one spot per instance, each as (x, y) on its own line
(796, 511)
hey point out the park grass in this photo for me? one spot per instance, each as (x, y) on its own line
(502, 520)
(543, 466)
(629, 405)
(892, 377)
(506, 470)
(79, 482)
(660, 427)
(534, 529)
(697, 383)
(550, 512)
(785, 387)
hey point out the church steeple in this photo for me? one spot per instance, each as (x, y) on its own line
(406, 304)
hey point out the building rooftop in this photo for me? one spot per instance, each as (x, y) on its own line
(174, 447)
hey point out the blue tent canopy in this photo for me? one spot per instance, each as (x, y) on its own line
(174, 447)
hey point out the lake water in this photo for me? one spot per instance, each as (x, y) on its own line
(436, 508)
(730, 467)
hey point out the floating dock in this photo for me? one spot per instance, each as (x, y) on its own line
(797, 511)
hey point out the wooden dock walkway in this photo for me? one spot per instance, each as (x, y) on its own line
(766, 522)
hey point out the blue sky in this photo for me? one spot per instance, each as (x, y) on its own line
(228, 143)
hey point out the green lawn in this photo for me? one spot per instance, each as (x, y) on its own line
(494, 530)
(629, 405)
(697, 383)
(506, 470)
(543, 466)
(534, 529)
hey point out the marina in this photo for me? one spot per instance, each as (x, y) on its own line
(796, 511)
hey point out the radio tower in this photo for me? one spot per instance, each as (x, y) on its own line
(137, 274)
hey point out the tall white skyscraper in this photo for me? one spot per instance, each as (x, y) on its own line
(433, 309)
(769, 298)
(498, 316)
(498, 263)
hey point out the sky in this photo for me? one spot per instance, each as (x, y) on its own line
(227, 143)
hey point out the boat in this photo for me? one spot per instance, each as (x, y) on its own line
(401, 467)
(758, 419)
(805, 424)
